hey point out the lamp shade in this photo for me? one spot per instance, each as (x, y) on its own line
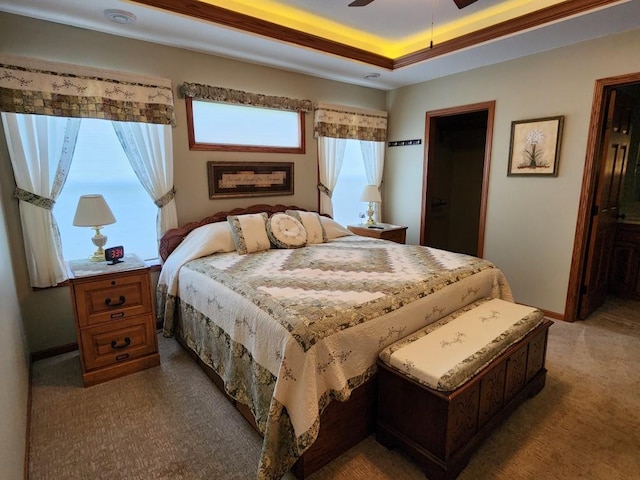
(371, 194)
(93, 211)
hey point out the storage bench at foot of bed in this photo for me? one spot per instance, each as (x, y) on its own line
(440, 429)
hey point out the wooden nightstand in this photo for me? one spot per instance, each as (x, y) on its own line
(115, 321)
(395, 233)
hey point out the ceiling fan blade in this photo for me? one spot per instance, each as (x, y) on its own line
(463, 3)
(361, 3)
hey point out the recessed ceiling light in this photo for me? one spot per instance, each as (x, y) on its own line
(120, 16)
(371, 76)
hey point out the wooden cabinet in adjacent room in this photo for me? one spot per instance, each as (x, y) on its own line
(625, 276)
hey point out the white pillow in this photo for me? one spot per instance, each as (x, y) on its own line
(333, 228)
(285, 231)
(249, 232)
(208, 239)
(312, 224)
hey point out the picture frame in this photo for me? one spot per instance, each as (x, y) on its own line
(534, 148)
(254, 179)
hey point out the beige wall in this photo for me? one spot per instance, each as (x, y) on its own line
(530, 221)
(48, 314)
(14, 370)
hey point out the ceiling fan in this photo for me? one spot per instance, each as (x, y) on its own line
(364, 3)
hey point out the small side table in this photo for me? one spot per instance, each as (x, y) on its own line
(384, 231)
(115, 320)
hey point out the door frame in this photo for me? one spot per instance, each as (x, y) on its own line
(594, 144)
(430, 136)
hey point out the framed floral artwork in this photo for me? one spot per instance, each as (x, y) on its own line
(535, 146)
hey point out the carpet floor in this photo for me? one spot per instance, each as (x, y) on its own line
(170, 422)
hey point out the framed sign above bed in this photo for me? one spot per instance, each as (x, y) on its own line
(256, 179)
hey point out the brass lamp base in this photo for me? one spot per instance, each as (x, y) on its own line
(370, 212)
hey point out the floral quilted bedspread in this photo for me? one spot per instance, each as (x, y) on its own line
(290, 330)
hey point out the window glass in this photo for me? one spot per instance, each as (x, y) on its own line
(223, 124)
(100, 165)
(347, 207)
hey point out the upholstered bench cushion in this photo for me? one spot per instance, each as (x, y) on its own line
(446, 354)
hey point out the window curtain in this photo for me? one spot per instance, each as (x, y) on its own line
(341, 122)
(42, 89)
(41, 149)
(149, 148)
(373, 155)
(331, 151)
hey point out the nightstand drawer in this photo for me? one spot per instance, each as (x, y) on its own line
(111, 343)
(112, 299)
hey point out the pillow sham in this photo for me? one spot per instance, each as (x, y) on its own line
(333, 228)
(210, 238)
(286, 231)
(312, 224)
(249, 232)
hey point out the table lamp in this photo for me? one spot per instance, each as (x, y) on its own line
(94, 212)
(370, 194)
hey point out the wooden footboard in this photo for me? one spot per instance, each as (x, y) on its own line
(342, 424)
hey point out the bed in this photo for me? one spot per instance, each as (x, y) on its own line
(291, 335)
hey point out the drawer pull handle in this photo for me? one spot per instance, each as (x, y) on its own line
(115, 346)
(117, 315)
(121, 357)
(120, 302)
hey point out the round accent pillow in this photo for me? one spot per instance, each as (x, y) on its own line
(284, 231)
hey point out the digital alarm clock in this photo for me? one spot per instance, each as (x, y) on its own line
(114, 254)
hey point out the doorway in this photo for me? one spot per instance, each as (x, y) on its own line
(584, 256)
(455, 185)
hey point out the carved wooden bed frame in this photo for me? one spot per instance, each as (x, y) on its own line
(342, 424)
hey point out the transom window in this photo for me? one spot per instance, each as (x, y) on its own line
(242, 128)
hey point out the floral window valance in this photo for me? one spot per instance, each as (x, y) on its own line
(40, 87)
(227, 95)
(337, 121)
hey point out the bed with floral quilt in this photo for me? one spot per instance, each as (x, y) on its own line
(290, 315)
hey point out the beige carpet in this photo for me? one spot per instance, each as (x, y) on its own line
(170, 422)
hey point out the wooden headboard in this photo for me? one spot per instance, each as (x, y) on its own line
(171, 239)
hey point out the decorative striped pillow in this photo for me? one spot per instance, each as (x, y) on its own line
(249, 232)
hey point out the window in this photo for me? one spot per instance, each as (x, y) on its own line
(242, 128)
(100, 165)
(347, 207)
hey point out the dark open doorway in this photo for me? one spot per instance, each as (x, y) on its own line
(581, 284)
(456, 166)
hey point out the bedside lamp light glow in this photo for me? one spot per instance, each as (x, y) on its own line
(93, 212)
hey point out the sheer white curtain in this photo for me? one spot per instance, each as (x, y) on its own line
(330, 156)
(41, 149)
(373, 156)
(149, 148)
